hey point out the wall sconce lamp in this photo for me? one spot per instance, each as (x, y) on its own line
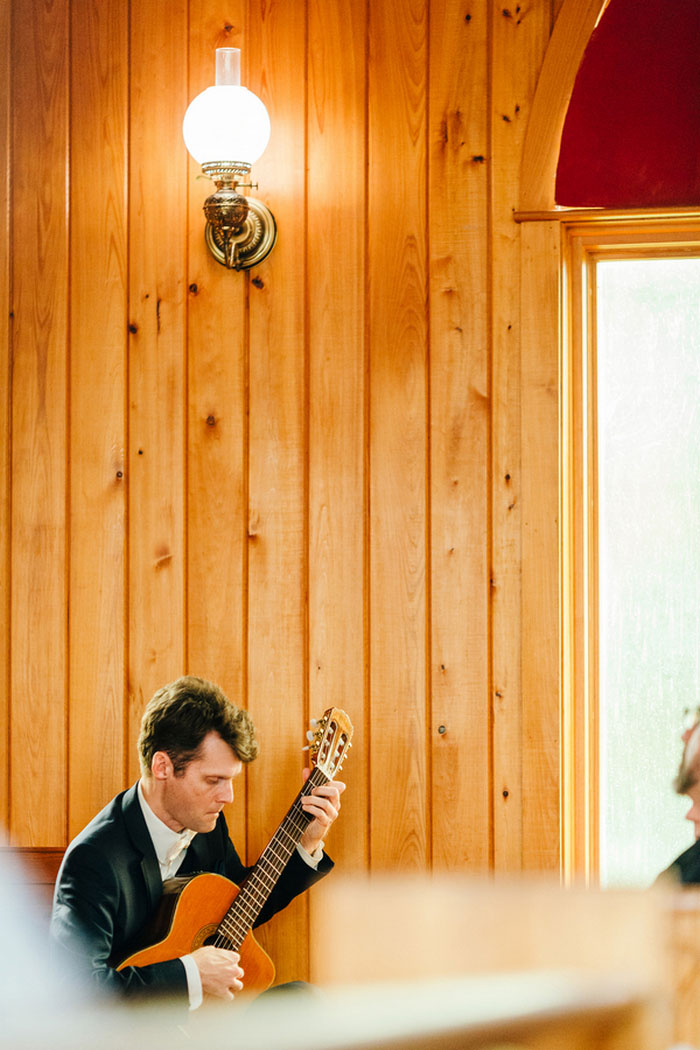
(226, 129)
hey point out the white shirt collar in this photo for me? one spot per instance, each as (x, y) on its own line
(169, 845)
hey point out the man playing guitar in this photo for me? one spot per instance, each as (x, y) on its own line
(193, 743)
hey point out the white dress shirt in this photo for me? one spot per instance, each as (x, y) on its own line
(170, 847)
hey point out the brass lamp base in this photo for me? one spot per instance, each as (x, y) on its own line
(240, 231)
(249, 244)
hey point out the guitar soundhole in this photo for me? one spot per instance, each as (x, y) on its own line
(207, 935)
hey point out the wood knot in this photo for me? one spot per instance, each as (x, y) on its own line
(162, 558)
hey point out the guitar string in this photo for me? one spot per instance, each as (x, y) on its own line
(237, 924)
(256, 890)
(261, 880)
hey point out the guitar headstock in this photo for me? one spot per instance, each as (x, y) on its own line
(329, 741)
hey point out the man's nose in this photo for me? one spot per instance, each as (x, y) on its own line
(226, 791)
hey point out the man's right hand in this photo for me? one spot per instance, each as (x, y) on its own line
(219, 970)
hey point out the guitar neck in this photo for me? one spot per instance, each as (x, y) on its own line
(263, 877)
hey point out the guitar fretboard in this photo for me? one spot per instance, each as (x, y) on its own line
(262, 879)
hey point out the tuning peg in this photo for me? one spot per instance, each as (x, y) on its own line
(309, 735)
(305, 748)
(313, 722)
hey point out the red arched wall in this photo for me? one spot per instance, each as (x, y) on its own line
(632, 131)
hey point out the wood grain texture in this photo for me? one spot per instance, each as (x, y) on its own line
(97, 490)
(39, 420)
(5, 416)
(341, 473)
(278, 455)
(398, 451)
(217, 419)
(157, 418)
(540, 552)
(519, 40)
(337, 390)
(337, 406)
(459, 438)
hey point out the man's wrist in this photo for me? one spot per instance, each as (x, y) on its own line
(194, 981)
(311, 857)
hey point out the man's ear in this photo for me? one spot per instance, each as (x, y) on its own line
(161, 765)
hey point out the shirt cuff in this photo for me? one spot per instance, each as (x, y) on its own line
(312, 859)
(194, 981)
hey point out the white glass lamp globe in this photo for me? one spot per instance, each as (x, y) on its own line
(226, 123)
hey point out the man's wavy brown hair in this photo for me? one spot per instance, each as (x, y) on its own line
(179, 716)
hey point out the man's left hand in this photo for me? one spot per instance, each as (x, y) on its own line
(323, 804)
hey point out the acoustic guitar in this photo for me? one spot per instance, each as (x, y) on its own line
(210, 909)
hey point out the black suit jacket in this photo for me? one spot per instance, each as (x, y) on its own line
(109, 886)
(685, 868)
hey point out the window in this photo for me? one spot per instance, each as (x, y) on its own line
(632, 542)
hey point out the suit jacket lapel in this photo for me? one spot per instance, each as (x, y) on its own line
(138, 832)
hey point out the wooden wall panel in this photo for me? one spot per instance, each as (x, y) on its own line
(157, 418)
(337, 392)
(97, 491)
(277, 522)
(5, 410)
(540, 537)
(398, 452)
(39, 363)
(519, 39)
(217, 417)
(337, 88)
(339, 471)
(459, 437)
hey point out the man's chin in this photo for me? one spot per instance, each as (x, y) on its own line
(205, 824)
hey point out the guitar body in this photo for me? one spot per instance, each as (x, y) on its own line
(199, 908)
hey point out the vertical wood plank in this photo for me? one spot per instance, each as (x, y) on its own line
(541, 688)
(459, 429)
(157, 363)
(400, 834)
(5, 451)
(38, 531)
(278, 477)
(99, 94)
(217, 410)
(336, 209)
(519, 38)
(336, 307)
